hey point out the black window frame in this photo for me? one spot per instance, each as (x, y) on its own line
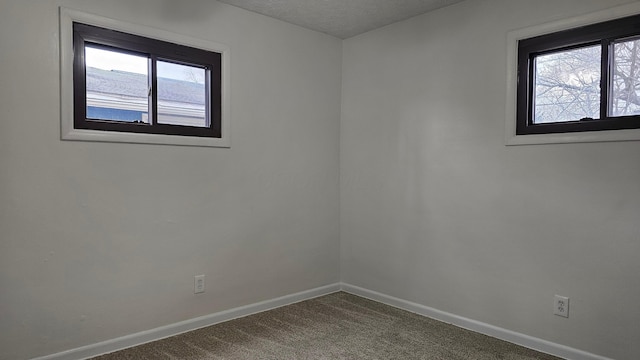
(211, 61)
(603, 33)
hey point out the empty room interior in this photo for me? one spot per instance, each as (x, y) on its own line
(377, 163)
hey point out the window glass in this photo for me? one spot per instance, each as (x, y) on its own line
(117, 86)
(567, 85)
(624, 99)
(181, 94)
(123, 81)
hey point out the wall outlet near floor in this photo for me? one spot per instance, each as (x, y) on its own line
(561, 306)
(198, 286)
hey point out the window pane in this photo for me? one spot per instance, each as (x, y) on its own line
(181, 95)
(117, 85)
(567, 85)
(624, 99)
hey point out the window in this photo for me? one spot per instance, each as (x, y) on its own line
(123, 82)
(581, 79)
(129, 83)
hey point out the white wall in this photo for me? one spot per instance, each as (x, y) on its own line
(436, 210)
(101, 240)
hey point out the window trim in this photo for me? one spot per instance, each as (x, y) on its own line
(513, 38)
(603, 35)
(70, 132)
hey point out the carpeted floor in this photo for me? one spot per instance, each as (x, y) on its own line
(335, 326)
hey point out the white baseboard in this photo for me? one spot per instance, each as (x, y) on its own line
(208, 320)
(477, 326)
(162, 332)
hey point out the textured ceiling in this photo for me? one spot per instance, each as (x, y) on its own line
(340, 18)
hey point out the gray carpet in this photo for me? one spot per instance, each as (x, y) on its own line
(335, 326)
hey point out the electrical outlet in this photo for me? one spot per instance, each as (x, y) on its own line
(561, 306)
(198, 286)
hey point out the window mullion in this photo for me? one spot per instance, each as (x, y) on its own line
(153, 86)
(531, 80)
(605, 78)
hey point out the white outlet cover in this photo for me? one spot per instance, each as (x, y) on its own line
(198, 284)
(561, 306)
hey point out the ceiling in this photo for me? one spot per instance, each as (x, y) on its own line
(341, 18)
